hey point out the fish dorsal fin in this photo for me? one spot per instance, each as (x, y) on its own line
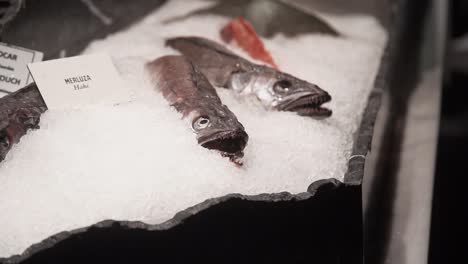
(213, 59)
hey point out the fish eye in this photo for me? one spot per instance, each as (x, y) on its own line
(282, 86)
(201, 123)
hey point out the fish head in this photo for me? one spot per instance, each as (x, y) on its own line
(217, 128)
(283, 92)
(5, 143)
(14, 126)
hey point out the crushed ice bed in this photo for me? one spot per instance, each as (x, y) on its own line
(139, 161)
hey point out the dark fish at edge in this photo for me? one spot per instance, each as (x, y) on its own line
(190, 93)
(19, 112)
(274, 89)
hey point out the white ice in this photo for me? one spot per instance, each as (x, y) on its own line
(140, 161)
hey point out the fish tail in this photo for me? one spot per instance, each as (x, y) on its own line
(169, 42)
(172, 42)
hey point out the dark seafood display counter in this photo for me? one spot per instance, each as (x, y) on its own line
(322, 225)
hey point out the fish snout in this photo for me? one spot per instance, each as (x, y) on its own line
(228, 142)
(308, 103)
(4, 144)
(316, 92)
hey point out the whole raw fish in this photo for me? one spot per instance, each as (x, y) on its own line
(19, 112)
(274, 89)
(188, 90)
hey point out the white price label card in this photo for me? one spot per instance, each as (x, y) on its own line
(14, 73)
(80, 81)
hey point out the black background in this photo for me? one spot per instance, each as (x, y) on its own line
(449, 218)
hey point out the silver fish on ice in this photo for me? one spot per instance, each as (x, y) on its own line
(276, 90)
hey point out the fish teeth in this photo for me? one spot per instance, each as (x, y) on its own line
(309, 102)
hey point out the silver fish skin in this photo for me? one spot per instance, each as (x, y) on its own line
(190, 93)
(276, 90)
(19, 112)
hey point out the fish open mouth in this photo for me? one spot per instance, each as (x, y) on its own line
(4, 144)
(230, 143)
(309, 105)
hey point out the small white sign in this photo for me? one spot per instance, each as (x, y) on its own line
(80, 81)
(14, 72)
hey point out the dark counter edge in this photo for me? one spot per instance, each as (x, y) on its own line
(364, 135)
(326, 187)
(353, 177)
